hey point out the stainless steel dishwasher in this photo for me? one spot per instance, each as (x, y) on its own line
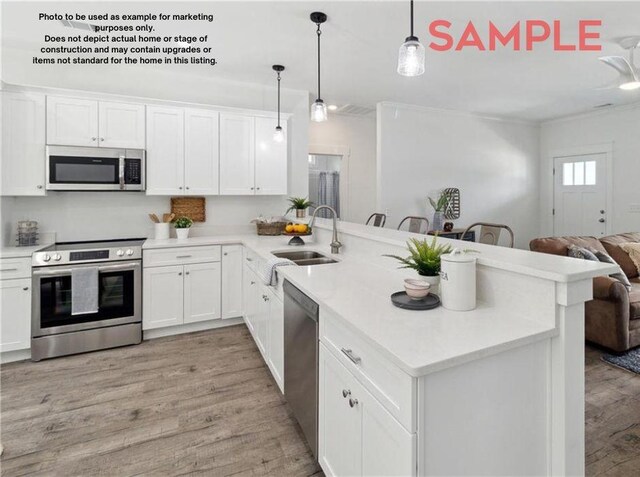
(301, 360)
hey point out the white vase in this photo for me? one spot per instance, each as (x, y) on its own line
(434, 282)
(182, 233)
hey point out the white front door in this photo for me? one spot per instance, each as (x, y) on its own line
(580, 195)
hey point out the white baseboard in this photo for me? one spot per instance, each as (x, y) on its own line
(189, 328)
(18, 355)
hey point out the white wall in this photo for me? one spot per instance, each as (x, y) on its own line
(493, 162)
(357, 135)
(618, 127)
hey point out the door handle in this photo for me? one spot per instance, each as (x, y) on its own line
(121, 172)
(601, 221)
(602, 211)
(349, 354)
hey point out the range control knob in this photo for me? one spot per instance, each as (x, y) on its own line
(57, 257)
(129, 252)
(46, 257)
(120, 252)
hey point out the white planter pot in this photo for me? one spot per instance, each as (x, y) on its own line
(182, 234)
(434, 282)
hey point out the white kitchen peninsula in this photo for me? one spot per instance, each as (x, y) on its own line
(495, 391)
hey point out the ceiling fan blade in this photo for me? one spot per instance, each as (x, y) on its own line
(620, 64)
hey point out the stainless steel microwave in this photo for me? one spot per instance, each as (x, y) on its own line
(95, 168)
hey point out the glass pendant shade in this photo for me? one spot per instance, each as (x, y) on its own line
(318, 111)
(411, 57)
(278, 135)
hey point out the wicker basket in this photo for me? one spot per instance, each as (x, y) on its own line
(274, 228)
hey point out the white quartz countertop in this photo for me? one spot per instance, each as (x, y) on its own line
(21, 252)
(357, 289)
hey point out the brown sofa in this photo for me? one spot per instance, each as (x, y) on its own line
(612, 318)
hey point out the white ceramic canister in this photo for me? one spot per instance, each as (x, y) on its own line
(458, 281)
(161, 231)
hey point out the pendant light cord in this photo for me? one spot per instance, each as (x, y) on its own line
(318, 32)
(412, 18)
(278, 99)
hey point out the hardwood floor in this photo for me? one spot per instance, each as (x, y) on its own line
(202, 403)
(612, 419)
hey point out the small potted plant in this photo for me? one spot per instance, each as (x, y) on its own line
(424, 257)
(182, 226)
(439, 207)
(300, 205)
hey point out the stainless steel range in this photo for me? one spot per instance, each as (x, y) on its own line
(86, 296)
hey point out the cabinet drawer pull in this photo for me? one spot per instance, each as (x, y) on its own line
(346, 392)
(353, 402)
(253, 283)
(349, 354)
(26, 288)
(183, 256)
(249, 259)
(8, 269)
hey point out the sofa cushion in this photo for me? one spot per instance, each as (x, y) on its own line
(574, 251)
(619, 275)
(633, 249)
(612, 246)
(560, 245)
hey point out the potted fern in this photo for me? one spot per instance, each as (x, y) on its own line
(300, 205)
(424, 257)
(182, 226)
(439, 207)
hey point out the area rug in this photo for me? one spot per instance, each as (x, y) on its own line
(629, 360)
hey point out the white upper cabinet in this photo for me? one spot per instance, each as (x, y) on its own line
(88, 122)
(237, 154)
(121, 125)
(72, 121)
(23, 144)
(271, 158)
(165, 150)
(201, 152)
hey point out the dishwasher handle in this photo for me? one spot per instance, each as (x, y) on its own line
(307, 304)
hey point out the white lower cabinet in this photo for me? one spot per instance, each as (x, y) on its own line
(178, 288)
(264, 316)
(202, 292)
(231, 281)
(15, 314)
(162, 297)
(357, 436)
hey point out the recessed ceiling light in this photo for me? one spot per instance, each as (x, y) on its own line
(332, 107)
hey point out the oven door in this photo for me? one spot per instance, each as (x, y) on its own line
(119, 299)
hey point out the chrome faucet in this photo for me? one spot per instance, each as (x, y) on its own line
(335, 244)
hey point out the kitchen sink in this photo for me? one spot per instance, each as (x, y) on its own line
(305, 257)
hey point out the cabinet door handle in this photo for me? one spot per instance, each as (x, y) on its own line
(353, 402)
(252, 188)
(93, 138)
(257, 188)
(179, 274)
(187, 187)
(253, 283)
(225, 254)
(346, 392)
(249, 259)
(180, 187)
(39, 187)
(187, 273)
(25, 288)
(349, 354)
(101, 139)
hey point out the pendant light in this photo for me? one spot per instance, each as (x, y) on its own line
(278, 135)
(411, 55)
(318, 109)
